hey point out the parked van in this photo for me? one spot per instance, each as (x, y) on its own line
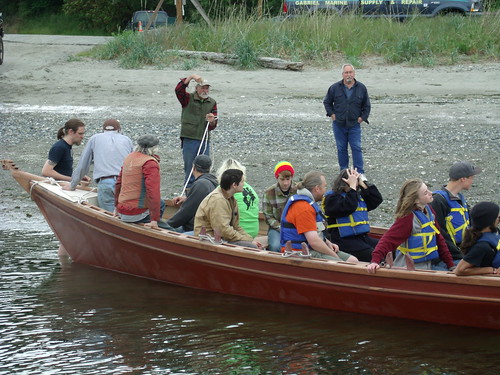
(379, 8)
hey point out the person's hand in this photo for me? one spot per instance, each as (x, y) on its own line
(210, 117)
(152, 224)
(372, 267)
(197, 78)
(177, 201)
(333, 116)
(115, 212)
(332, 246)
(352, 178)
(451, 269)
(360, 120)
(258, 244)
(65, 186)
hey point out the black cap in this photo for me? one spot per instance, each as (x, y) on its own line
(484, 214)
(148, 141)
(202, 163)
(463, 169)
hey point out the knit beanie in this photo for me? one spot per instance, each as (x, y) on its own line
(484, 214)
(283, 166)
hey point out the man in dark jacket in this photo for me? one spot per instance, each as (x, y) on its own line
(348, 105)
(205, 182)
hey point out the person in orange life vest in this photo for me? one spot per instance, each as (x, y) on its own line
(303, 221)
(137, 189)
(346, 209)
(481, 243)
(415, 231)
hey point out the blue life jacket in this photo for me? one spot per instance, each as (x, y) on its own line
(288, 231)
(457, 220)
(355, 223)
(494, 240)
(422, 244)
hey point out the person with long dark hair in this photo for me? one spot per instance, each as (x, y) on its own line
(481, 242)
(346, 208)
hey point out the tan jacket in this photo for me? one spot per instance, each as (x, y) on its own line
(218, 211)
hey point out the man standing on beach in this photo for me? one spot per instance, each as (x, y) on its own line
(199, 111)
(348, 105)
(106, 150)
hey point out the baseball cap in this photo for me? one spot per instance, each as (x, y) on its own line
(463, 169)
(111, 124)
(202, 163)
(203, 82)
(484, 214)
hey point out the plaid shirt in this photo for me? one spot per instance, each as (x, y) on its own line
(273, 203)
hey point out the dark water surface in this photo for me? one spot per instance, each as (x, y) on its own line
(65, 318)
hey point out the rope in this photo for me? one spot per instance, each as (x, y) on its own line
(207, 237)
(295, 253)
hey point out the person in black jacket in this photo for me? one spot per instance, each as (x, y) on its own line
(205, 182)
(346, 208)
(348, 105)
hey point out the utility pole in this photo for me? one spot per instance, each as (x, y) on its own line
(178, 7)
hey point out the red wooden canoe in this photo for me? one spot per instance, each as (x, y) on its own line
(94, 237)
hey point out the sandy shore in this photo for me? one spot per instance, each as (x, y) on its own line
(422, 119)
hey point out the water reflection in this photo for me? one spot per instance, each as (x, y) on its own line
(74, 319)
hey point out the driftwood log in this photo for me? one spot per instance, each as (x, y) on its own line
(231, 59)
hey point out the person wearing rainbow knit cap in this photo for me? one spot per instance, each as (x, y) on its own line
(274, 200)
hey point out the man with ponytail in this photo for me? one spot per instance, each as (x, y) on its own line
(59, 164)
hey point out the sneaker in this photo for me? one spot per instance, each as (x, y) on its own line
(363, 177)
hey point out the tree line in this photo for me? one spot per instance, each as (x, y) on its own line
(112, 15)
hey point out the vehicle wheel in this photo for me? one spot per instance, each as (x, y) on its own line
(1, 51)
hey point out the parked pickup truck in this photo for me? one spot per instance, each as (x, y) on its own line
(143, 16)
(378, 8)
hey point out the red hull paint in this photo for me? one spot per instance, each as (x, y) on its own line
(95, 238)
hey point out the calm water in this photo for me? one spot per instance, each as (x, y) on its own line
(73, 319)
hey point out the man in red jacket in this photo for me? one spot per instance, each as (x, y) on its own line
(137, 189)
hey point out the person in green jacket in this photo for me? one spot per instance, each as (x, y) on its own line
(248, 200)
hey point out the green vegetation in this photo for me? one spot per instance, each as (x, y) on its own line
(315, 40)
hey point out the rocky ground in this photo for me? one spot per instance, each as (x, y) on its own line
(422, 119)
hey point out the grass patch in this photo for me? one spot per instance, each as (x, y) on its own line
(316, 40)
(50, 24)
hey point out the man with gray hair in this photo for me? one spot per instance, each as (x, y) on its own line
(137, 189)
(204, 184)
(348, 105)
(106, 150)
(303, 221)
(198, 118)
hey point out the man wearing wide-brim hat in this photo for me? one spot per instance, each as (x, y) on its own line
(198, 118)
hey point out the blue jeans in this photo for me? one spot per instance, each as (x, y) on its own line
(441, 266)
(343, 137)
(273, 240)
(189, 152)
(106, 194)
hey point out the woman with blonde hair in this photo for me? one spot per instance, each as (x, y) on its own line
(415, 231)
(248, 200)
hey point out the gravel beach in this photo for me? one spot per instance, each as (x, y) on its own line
(423, 119)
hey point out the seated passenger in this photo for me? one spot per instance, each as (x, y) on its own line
(481, 243)
(137, 188)
(219, 211)
(204, 184)
(274, 200)
(346, 208)
(303, 220)
(248, 200)
(415, 231)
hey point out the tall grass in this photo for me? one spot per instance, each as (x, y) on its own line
(58, 24)
(316, 40)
